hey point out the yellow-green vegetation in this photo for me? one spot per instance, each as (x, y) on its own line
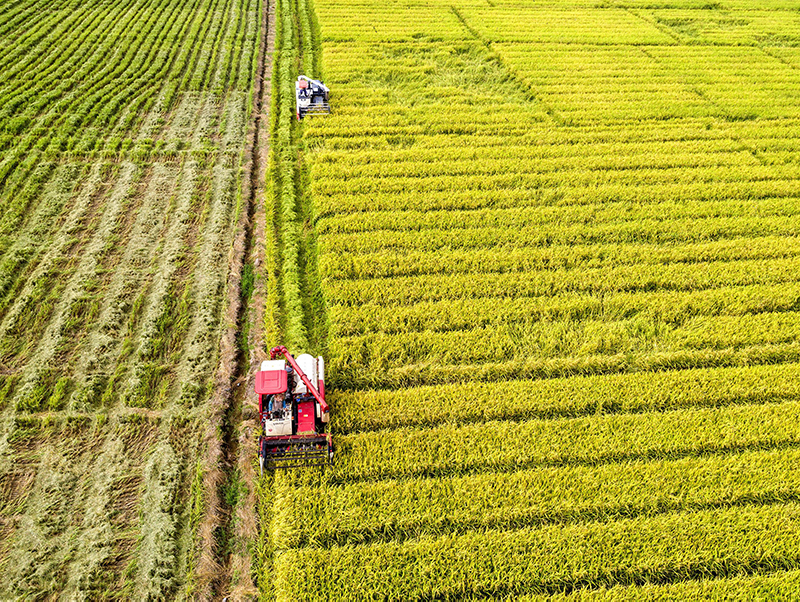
(550, 253)
(122, 139)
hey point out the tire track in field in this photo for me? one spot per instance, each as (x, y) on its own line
(227, 572)
(259, 339)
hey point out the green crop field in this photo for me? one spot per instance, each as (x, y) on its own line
(549, 250)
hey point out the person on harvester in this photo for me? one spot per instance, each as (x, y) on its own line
(303, 89)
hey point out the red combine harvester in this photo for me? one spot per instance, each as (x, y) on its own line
(291, 400)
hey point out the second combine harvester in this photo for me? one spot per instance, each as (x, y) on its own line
(311, 96)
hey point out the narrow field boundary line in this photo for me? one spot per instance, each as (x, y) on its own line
(245, 523)
(667, 31)
(532, 95)
(220, 570)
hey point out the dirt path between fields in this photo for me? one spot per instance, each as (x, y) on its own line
(229, 524)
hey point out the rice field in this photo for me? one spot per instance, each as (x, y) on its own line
(550, 253)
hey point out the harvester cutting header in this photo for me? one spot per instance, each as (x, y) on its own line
(311, 96)
(294, 414)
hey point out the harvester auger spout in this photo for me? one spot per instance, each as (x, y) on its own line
(293, 410)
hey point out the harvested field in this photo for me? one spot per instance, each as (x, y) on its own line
(123, 133)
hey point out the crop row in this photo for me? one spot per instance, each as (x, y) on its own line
(376, 374)
(384, 510)
(718, 542)
(430, 223)
(717, 176)
(381, 253)
(442, 193)
(573, 396)
(760, 585)
(551, 248)
(547, 350)
(628, 278)
(609, 155)
(692, 132)
(645, 165)
(538, 158)
(686, 140)
(573, 338)
(592, 440)
(666, 306)
(285, 269)
(523, 159)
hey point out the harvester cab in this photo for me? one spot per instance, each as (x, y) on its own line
(294, 415)
(312, 97)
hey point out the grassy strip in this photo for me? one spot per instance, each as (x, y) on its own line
(283, 164)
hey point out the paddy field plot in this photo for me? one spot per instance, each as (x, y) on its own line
(555, 247)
